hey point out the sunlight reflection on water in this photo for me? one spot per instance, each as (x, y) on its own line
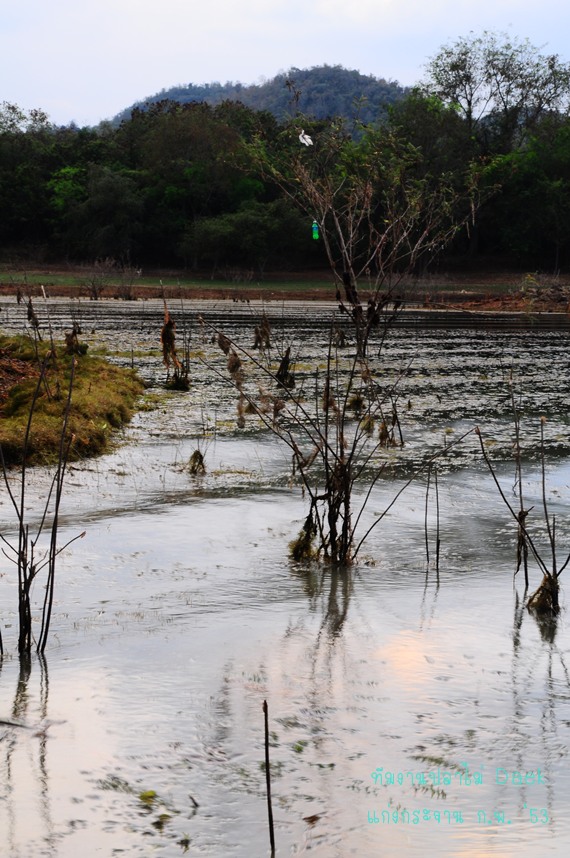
(178, 641)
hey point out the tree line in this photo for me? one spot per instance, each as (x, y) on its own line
(211, 187)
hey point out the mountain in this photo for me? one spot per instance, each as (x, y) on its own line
(319, 92)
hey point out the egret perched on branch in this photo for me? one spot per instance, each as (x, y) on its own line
(304, 138)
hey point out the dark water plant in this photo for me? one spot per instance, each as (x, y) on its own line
(179, 379)
(196, 465)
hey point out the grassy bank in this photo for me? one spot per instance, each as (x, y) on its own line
(103, 398)
(86, 282)
(482, 288)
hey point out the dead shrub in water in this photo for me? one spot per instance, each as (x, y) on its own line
(332, 448)
(262, 334)
(179, 379)
(168, 341)
(284, 375)
(545, 600)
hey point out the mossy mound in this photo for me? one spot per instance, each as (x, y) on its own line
(103, 398)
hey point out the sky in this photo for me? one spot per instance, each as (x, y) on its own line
(83, 61)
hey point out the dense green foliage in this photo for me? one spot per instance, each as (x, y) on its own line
(187, 183)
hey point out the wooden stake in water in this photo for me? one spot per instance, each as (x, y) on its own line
(268, 781)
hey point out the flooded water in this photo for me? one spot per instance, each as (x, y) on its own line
(410, 709)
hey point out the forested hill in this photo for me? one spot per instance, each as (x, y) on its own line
(320, 92)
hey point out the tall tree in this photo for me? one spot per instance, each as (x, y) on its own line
(182, 156)
(106, 214)
(529, 221)
(502, 87)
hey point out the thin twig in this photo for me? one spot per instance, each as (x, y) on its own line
(408, 483)
(437, 540)
(268, 780)
(426, 515)
(525, 532)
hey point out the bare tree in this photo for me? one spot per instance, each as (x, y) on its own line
(500, 86)
(98, 277)
(379, 212)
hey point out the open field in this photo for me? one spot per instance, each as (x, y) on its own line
(484, 289)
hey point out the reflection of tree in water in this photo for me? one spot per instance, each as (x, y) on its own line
(22, 758)
(338, 600)
(330, 590)
(332, 583)
(427, 615)
(523, 673)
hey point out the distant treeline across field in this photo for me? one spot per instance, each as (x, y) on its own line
(219, 179)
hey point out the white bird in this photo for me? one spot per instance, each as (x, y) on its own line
(304, 138)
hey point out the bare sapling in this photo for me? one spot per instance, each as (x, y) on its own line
(378, 210)
(545, 600)
(29, 557)
(522, 513)
(98, 276)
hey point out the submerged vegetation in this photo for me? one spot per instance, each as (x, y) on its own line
(103, 399)
(544, 602)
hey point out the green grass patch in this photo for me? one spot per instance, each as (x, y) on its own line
(103, 399)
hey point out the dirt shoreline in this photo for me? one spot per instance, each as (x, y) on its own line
(494, 294)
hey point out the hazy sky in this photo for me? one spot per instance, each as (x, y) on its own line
(85, 60)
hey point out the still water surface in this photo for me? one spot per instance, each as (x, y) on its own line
(179, 614)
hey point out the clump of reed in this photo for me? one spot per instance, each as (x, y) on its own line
(197, 465)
